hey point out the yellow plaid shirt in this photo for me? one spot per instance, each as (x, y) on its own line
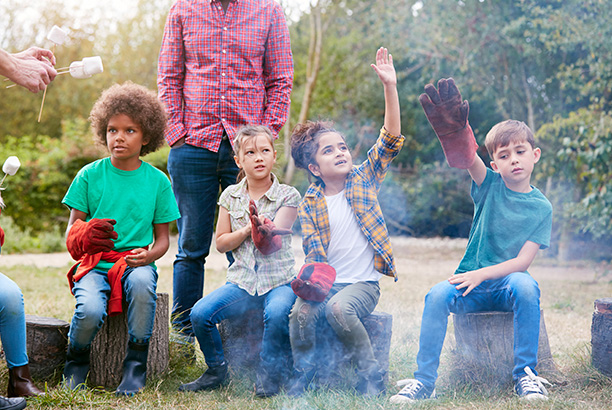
(361, 191)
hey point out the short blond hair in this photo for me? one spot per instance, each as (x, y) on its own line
(505, 132)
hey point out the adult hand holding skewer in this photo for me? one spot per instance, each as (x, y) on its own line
(31, 68)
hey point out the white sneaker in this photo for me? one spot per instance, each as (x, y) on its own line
(531, 387)
(413, 390)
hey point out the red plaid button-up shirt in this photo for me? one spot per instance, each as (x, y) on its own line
(221, 69)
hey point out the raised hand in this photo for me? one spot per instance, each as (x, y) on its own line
(384, 67)
(448, 116)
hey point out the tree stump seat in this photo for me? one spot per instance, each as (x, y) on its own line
(242, 343)
(110, 344)
(47, 338)
(601, 336)
(485, 345)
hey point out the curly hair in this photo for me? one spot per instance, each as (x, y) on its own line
(138, 103)
(305, 142)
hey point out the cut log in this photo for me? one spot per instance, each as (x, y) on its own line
(242, 343)
(47, 338)
(601, 336)
(485, 345)
(109, 346)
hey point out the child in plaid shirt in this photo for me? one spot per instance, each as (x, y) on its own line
(263, 267)
(342, 203)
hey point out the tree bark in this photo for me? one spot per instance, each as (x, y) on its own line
(47, 338)
(601, 336)
(109, 347)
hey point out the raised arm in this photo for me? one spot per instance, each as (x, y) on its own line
(386, 72)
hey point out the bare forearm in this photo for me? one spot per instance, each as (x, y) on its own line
(229, 241)
(392, 110)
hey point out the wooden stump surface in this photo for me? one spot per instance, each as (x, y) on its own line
(47, 338)
(601, 336)
(109, 347)
(485, 345)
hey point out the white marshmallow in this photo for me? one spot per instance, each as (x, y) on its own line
(92, 65)
(11, 165)
(76, 70)
(57, 35)
(86, 68)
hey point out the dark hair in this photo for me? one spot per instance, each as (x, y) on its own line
(505, 132)
(305, 142)
(248, 132)
(138, 103)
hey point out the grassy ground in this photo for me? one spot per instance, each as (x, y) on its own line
(568, 293)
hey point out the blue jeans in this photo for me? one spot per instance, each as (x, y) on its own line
(518, 292)
(92, 292)
(12, 323)
(196, 174)
(230, 301)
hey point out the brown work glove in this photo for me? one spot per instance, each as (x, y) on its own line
(91, 237)
(448, 116)
(266, 235)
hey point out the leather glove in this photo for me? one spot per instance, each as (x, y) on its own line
(266, 235)
(1, 236)
(91, 237)
(448, 116)
(314, 281)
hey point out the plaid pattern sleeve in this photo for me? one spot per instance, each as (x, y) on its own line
(314, 221)
(220, 69)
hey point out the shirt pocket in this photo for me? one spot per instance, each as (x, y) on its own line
(239, 219)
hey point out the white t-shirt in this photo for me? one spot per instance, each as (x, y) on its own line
(349, 251)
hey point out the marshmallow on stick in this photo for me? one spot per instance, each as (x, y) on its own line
(57, 35)
(87, 67)
(10, 167)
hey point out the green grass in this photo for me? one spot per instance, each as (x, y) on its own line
(568, 293)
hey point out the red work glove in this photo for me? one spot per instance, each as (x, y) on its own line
(266, 235)
(1, 236)
(91, 237)
(448, 116)
(314, 281)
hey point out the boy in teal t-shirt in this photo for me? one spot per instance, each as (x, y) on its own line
(120, 210)
(512, 221)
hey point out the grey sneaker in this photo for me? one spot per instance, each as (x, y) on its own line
(531, 387)
(413, 390)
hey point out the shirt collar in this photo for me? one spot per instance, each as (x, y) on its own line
(271, 194)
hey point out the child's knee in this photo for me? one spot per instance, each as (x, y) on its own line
(441, 294)
(338, 316)
(523, 286)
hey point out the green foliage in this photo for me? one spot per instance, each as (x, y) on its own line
(579, 164)
(48, 166)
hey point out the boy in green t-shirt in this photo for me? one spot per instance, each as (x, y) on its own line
(119, 205)
(512, 221)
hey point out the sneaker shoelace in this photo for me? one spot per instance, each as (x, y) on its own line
(534, 383)
(411, 387)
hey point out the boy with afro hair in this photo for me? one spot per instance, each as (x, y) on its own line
(120, 209)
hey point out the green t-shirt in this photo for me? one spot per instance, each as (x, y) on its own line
(503, 221)
(135, 199)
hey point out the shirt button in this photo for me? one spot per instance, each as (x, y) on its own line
(223, 51)
(223, 74)
(223, 97)
(225, 28)
(223, 119)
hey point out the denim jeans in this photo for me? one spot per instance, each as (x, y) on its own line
(230, 301)
(12, 323)
(517, 292)
(343, 307)
(92, 292)
(196, 174)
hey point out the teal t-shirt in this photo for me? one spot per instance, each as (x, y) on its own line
(503, 221)
(135, 199)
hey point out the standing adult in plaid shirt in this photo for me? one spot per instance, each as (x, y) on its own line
(222, 64)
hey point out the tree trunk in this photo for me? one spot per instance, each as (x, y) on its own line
(312, 71)
(109, 347)
(485, 345)
(47, 338)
